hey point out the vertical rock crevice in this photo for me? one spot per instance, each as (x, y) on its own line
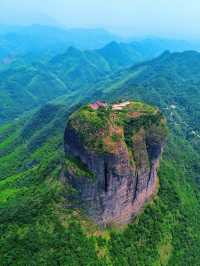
(106, 176)
(136, 186)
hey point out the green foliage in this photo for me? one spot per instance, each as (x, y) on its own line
(27, 82)
(76, 167)
(88, 123)
(94, 127)
(37, 228)
(33, 73)
(169, 82)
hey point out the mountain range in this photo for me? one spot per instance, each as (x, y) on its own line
(36, 223)
(43, 78)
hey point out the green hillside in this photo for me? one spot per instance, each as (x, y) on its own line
(23, 87)
(27, 82)
(46, 64)
(37, 228)
(170, 81)
(36, 225)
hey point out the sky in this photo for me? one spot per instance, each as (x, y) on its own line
(175, 18)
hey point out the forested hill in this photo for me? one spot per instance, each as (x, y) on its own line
(25, 84)
(171, 81)
(27, 81)
(39, 63)
(36, 225)
(43, 40)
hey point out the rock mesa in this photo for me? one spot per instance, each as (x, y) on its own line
(112, 154)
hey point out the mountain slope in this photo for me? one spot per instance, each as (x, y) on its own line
(36, 225)
(26, 84)
(29, 81)
(25, 87)
(40, 39)
(121, 55)
(170, 81)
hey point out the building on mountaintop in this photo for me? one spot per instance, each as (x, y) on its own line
(120, 106)
(97, 105)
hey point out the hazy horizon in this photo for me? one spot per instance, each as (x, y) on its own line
(128, 18)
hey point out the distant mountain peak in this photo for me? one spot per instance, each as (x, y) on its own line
(73, 50)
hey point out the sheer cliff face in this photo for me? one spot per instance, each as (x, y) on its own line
(112, 157)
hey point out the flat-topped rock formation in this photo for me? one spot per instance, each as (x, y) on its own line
(112, 154)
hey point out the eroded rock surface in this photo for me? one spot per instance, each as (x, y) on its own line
(112, 157)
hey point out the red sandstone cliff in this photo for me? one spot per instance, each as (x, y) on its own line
(112, 157)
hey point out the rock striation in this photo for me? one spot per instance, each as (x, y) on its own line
(111, 159)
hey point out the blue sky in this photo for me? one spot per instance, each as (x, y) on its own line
(175, 18)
